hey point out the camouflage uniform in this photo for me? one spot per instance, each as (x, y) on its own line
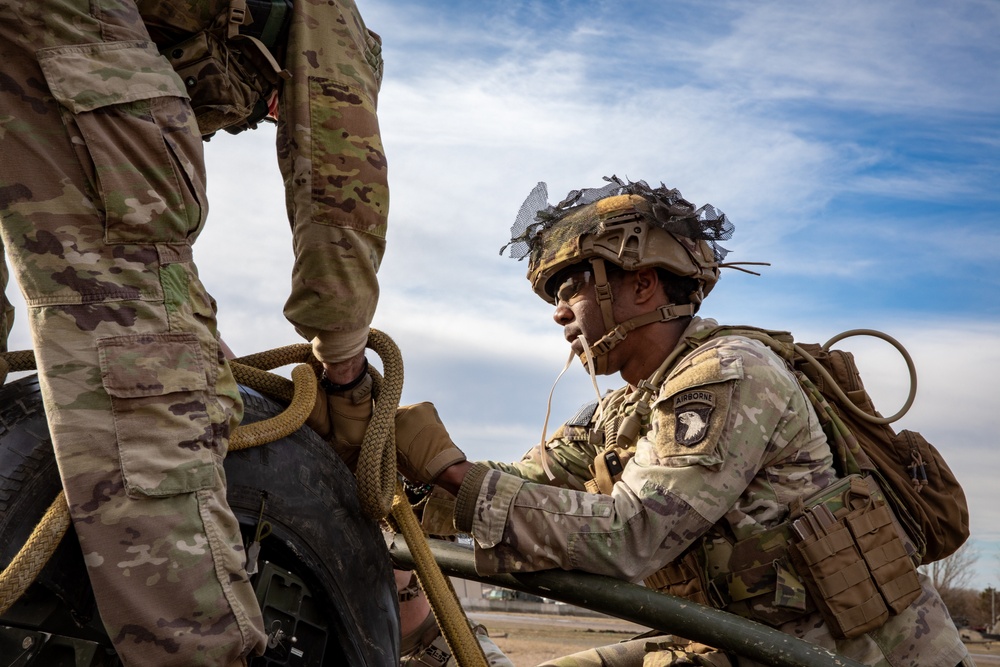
(6, 309)
(102, 192)
(755, 447)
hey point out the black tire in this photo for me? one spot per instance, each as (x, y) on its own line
(318, 535)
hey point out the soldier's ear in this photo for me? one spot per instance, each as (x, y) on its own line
(645, 284)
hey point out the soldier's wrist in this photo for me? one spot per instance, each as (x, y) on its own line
(331, 387)
(468, 494)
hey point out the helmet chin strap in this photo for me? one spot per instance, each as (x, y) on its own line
(616, 333)
(594, 360)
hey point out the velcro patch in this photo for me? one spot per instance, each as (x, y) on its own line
(584, 415)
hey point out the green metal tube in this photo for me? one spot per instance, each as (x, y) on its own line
(630, 602)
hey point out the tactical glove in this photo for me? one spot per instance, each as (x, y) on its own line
(424, 447)
(342, 418)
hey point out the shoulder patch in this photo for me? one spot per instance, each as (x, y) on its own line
(692, 414)
(692, 409)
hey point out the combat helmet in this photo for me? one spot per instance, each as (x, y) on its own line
(630, 225)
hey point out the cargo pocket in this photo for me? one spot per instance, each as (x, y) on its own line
(158, 389)
(135, 136)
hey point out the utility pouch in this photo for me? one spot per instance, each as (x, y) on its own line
(753, 578)
(683, 577)
(847, 547)
(229, 80)
(222, 92)
(879, 539)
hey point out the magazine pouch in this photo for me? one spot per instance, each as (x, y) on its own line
(849, 551)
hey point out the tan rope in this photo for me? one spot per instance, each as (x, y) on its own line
(269, 384)
(444, 603)
(251, 370)
(21, 360)
(381, 493)
(300, 353)
(35, 553)
(11, 362)
(376, 471)
(287, 422)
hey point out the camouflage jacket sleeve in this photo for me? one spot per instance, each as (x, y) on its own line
(331, 157)
(569, 457)
(568, 454)
(728, 418)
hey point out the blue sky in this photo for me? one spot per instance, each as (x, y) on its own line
(854, 145)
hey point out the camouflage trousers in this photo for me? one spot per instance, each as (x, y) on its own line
(101, 195)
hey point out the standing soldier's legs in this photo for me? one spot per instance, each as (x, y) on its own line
(101, 194)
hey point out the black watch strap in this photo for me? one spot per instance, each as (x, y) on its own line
(331, 388)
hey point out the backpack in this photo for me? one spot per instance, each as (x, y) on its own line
(229, 70)
(924, 493)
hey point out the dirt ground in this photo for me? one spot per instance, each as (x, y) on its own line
(529, 640)
(985, 653)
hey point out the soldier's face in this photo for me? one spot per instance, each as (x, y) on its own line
(577, 309)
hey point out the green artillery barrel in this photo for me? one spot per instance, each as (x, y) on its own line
(659, 611)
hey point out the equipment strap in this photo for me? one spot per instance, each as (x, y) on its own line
(236, 17)
(661, 314)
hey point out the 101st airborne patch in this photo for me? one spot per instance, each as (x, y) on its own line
(692, 415)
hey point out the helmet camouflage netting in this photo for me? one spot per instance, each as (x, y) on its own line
(537, 219)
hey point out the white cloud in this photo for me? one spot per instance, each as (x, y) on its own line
(890, 56)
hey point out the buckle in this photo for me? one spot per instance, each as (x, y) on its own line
(719, 598)
(237, 15)
(672, 311)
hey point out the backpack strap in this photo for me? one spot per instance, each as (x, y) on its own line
(236, 16)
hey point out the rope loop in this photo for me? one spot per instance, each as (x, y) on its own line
(376, 471)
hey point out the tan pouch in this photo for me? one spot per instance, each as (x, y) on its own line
(683, 577)
(849, 549)
(837, 577)
(607, 470)
(890, 566)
